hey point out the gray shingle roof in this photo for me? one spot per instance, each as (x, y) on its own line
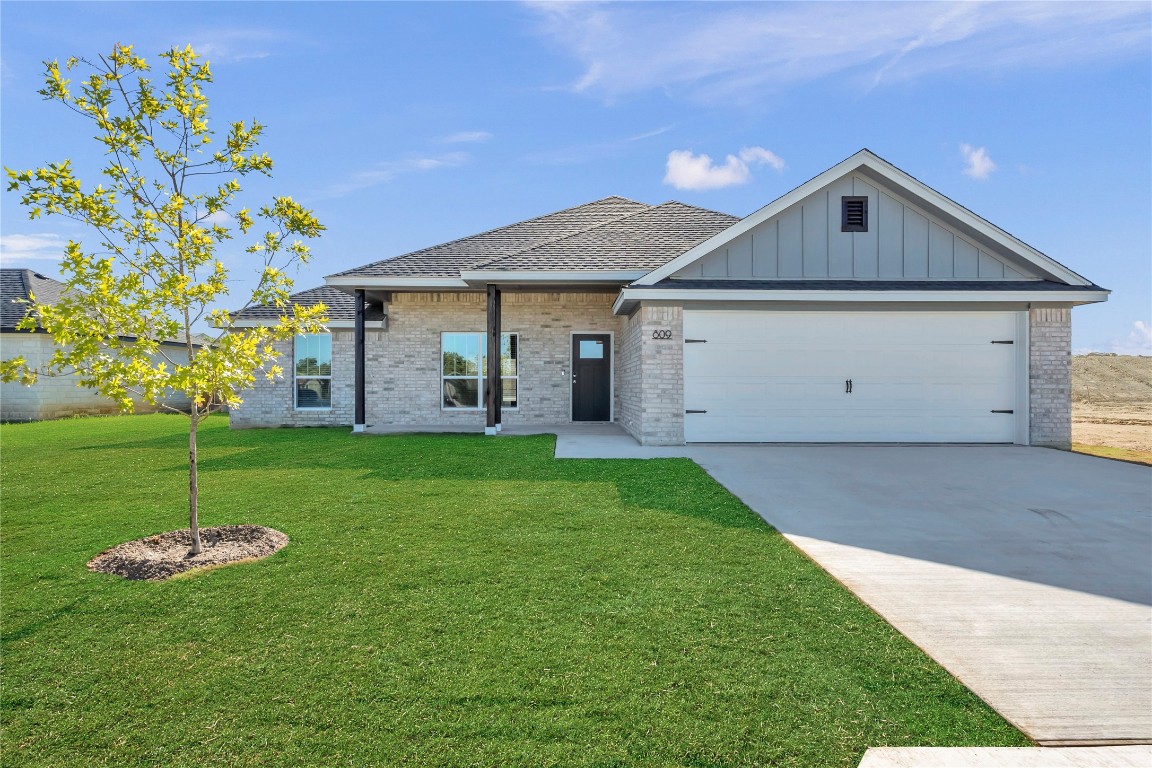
(17, 286)
(341, 306)
(645, 240)
(613, 233)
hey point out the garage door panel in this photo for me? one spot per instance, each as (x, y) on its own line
(916, 376)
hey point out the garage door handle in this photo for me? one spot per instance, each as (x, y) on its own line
(690, 411)
(695, 341)
(995, 411)
(1004, 341)
(848, 386)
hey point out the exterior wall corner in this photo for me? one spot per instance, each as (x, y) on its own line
(1050, 377)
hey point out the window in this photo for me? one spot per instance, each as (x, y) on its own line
(464, 369)
(314, 371)
(854, 214)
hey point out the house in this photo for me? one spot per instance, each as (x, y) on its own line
(51, 397)
(862, 306)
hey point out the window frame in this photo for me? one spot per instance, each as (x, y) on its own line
(296, 376)
(481, 377)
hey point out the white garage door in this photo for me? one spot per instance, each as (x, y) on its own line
(763, 376)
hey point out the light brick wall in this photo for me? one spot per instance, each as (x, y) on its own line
(402, 365)
(652, 410)
(1050, 377)
(662, 369)
(628, 346)
(56, 397)
(272, 403)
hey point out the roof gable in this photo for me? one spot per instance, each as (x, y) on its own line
(806, 245)
(900, 242)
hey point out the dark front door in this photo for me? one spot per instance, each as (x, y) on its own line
(591, 377)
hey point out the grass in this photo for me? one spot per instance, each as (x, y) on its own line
(1120, 454)
(444, 600)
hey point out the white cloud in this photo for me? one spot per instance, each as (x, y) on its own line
(223, 218)
(1137, 342)
(585, 153)
(232, 45)
(761, 155)
(686, 170)
(736, 52)
(467, 137)
(977, 163)
(649, 134)
(388, 170)
(37, 247)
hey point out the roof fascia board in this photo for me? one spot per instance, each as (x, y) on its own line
(629, 296)
(345, 283)
(901, 183)
(621, 276)
(945, 208)
(337, 324)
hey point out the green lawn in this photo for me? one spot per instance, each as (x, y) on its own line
(445, 600)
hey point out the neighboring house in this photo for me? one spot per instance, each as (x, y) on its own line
(862, 306)
(51, 397)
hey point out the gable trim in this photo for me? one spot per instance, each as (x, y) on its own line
(904, 185)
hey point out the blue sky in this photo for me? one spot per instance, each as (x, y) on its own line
(408, 124)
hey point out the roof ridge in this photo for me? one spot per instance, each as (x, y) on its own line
(494, 229)
(697, 207)
(573, 234)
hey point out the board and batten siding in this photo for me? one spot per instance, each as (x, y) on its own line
(804, 241)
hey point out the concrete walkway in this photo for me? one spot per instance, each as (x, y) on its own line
(1025, 572)
(1007, 757)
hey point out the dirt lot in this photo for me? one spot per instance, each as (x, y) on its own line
(1112, 401)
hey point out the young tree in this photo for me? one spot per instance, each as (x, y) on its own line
(168, 202)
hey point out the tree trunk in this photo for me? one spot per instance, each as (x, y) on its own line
(193, 501)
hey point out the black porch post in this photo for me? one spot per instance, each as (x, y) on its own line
(492, 385)
(358, 423)
(499, 367)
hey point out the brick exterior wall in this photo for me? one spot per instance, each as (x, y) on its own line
(272, 403)
(653, 370)
(628, 347)
(402, 364)
(57, 397)
(1050, 377)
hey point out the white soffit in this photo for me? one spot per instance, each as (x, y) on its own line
(629, 297)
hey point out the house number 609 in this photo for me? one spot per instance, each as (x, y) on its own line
(661, 334)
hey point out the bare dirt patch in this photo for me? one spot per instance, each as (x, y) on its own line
(1112, 401)
(163, 556)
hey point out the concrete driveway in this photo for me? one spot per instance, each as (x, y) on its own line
(1026, 572)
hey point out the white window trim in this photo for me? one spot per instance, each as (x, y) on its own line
(296, 378)
(482, 375)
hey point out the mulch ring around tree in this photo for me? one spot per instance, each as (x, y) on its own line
(164, 555)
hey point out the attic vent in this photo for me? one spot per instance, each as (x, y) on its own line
(854, 214)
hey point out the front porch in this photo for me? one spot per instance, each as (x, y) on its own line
(592, 440)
